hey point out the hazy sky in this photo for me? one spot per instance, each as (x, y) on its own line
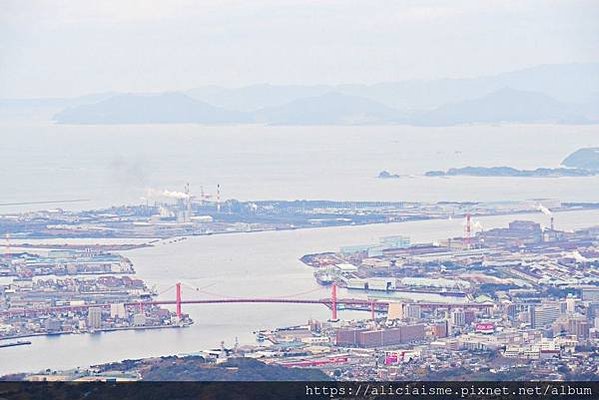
(73, 47)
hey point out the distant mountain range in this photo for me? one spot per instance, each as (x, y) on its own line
(504, 105)
(149, 109)
(330, 109)
(566, 94)
(568, 83)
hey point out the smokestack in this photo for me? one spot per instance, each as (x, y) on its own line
(468, 233)
(218, 197)
(188, 211)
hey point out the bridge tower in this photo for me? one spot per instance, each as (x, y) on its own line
(178, 300)
(334, 302)
(218, 198)
(468, 231)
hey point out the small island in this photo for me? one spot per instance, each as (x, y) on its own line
(583, 162)
(513, 172)
(387, 175)
(586, 158)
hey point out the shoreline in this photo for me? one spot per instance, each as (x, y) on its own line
(105, 330)
(586, 206)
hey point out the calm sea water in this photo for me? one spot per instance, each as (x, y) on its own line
(117, 164)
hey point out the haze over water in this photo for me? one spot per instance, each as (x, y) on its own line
(113, 165)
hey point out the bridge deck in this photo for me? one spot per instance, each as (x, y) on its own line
(327, 302)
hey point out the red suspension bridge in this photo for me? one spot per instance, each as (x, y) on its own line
(333, 303)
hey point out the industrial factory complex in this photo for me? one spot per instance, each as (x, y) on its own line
(172, 214)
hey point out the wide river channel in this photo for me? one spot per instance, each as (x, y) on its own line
(262, 264)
